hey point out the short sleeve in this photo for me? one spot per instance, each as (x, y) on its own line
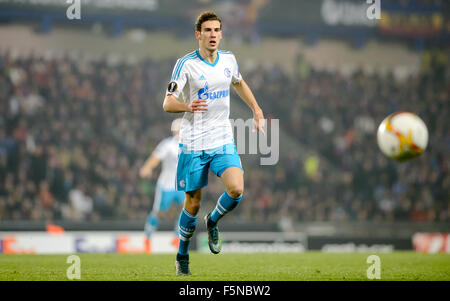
(236, 74)
(178, 79)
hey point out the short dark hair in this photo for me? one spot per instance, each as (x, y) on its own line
(206, 16)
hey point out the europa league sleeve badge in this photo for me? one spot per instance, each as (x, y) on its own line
(172, 87)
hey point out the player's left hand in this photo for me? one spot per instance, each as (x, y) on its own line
(258, 121)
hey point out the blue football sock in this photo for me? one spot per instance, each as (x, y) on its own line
(224, 205)
(186, 227)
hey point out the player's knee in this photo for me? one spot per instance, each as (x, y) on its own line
(192, 203)
(235, 191)
(193, 207)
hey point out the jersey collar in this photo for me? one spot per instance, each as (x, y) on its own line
(208, 63)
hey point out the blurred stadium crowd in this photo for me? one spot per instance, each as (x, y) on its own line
(74, 133)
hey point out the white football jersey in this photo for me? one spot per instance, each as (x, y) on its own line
(194, 78)
(167, 152)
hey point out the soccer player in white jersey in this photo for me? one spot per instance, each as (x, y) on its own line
(166, 195)
(200, 87)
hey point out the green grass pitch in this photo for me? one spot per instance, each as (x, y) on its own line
(317, 266)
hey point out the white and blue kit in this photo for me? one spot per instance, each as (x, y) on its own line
(165, 192)
(206, 138)
(167, 152)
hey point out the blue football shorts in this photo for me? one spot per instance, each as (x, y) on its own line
(193, 166)
(165, 198)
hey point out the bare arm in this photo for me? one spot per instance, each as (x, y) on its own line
(146, 170)
(172, 105)
(244, 92)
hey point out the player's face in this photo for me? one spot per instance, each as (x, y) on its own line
(210, 36)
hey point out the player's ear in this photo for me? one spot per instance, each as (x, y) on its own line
(197, 34)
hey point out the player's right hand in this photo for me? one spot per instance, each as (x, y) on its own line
(198, 105)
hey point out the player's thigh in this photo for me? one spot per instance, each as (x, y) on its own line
(233, 178)
(224, 159)
(227, 165)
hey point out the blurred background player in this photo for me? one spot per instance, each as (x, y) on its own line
(165, 194)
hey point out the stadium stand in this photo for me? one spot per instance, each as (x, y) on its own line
(74, 133)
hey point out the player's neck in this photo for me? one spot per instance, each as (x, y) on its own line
(209, 56)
